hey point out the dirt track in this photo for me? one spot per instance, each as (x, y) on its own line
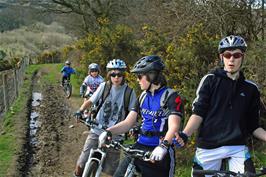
(58, 145)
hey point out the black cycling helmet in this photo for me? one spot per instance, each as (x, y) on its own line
(232, 42)
(148, 64)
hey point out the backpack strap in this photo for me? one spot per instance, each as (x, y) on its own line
(106, 91)
(127, 95)
(165, 96)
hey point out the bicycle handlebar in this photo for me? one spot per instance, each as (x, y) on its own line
(212, 172)
(135, 153)
(92, 124)
(219, 173)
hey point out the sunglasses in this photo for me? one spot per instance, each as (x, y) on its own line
(116, 74)
(93, 70)
(228, 55)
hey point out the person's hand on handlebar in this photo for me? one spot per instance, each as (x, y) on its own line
(181, 138)
(159, 152)
(105, 138)
(78, 115)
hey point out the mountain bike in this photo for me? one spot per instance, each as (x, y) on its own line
(224, 173)
(94, 164)
(67, 88)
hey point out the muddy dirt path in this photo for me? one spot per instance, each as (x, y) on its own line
(58, 146)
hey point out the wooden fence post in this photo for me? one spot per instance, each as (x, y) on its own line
(4, 89)
(16, 82)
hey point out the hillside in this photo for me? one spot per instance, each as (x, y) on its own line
(34, 39)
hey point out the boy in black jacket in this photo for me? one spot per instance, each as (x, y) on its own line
(226, 112)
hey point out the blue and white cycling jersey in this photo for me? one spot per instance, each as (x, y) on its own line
(67, 71)
(153, 116)
(93, 82)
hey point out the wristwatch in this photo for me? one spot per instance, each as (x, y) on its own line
(165, 143)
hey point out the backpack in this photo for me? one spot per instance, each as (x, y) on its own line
(106, 92)
(163, 100)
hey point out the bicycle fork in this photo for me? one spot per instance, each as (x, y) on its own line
(98, 156)
(131, 169)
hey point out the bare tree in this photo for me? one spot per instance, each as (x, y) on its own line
(94, 13)
(222, 17)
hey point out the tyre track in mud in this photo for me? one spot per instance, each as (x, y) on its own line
(58, 146)
(53, 115)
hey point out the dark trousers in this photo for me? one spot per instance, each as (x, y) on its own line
(65, 78)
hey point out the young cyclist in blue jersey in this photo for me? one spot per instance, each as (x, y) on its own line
(92, 81)
(66, 71)
(226, 112)
(159, 124)
(115, 99)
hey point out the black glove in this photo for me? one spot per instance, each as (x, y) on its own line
(78, 114)
(183, 136)
(82, 90)
(82, 95)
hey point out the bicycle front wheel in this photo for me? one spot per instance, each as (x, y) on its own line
(92, 169)
(68, 90)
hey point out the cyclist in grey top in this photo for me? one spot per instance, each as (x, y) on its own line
(112, 110)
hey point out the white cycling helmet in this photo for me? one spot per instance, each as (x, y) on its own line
(116, 64)
(68, 62)
(94, 67)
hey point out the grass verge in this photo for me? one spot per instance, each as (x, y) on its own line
(13, 124)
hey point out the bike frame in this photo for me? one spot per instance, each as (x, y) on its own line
(131, 169)
(97, 155)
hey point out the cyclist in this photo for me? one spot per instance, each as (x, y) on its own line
(158, 124)
(92, 81)
(66, 71)
(111, 110)
(226, 112)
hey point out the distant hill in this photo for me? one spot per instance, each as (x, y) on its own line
(34, 39)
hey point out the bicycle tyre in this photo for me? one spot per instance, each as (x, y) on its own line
(92, 169)
(68, 90)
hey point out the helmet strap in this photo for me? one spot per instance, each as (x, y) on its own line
(149, 88)
(153, 77)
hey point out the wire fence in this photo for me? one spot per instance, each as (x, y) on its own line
(10, 83)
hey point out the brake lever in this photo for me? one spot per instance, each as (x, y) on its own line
(146, 156)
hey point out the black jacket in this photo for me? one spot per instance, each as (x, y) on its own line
(229, 108)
